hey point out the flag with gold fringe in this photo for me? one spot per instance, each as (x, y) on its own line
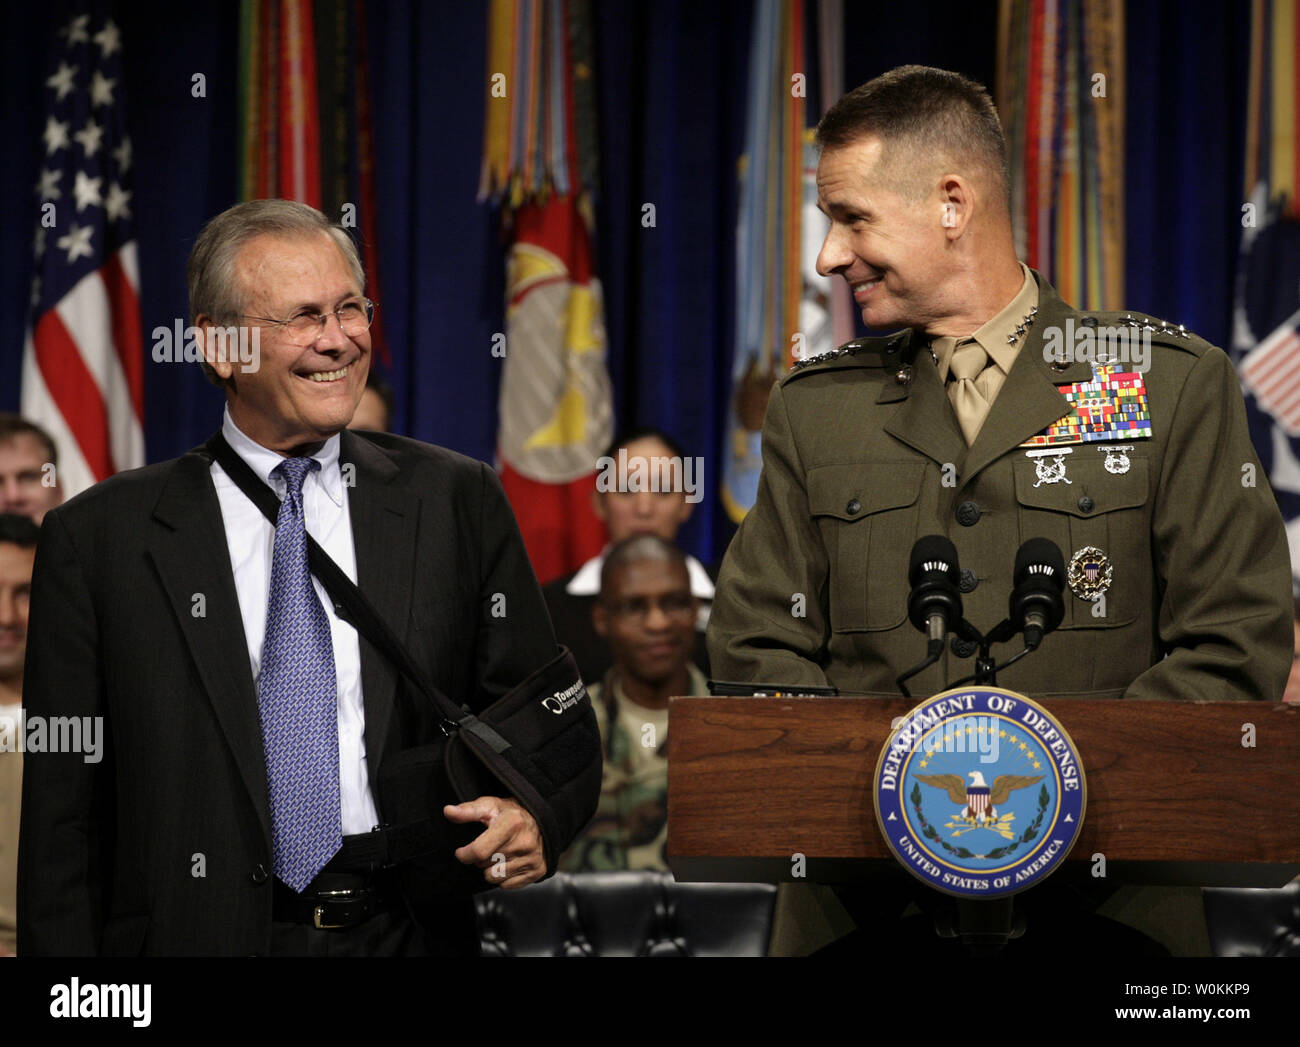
(1060, 95)
(555, 408)
(1266, 312)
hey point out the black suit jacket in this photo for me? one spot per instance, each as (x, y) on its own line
(164, 846)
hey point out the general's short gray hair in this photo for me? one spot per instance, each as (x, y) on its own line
(213, 284)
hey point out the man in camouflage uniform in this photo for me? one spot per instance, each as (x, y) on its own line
(646, 613)
(970, 423)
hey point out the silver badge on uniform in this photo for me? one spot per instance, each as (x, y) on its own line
(1090, 573)
(1117, 458)
(1052, 472)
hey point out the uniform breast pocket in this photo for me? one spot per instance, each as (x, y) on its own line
(867, 516)
(1101, 521)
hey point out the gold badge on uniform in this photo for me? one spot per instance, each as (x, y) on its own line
(1052, 472)
(1090, 573)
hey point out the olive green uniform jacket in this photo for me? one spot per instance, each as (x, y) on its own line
(862, 455)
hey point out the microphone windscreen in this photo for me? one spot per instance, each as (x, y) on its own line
(1041, 557)
(934, 552)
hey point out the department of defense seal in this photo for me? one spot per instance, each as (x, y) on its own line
(980, 792)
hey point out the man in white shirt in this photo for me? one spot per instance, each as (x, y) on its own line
(654, 502)
(248, 723)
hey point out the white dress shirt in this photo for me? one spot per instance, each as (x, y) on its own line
(250, 537)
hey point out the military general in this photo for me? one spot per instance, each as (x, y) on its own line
(996, 413)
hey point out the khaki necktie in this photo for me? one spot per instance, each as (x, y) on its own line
(974, 383)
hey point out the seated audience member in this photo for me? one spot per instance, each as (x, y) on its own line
(27, 486)
(627, 513)
(646, 612)
(377, 407)
(17, 552)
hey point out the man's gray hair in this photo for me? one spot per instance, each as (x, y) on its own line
(213, 282)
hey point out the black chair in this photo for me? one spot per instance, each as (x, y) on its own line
(626, 914)
(1246, 921)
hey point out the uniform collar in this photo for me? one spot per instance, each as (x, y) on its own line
(995, 335)
(699, 687)
(262, 460)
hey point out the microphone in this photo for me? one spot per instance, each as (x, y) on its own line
(935, 600)
(1037, 606)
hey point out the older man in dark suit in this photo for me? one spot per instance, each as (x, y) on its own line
(247, 723)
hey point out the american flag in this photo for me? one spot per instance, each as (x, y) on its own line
(1272, 372)
(83, 359)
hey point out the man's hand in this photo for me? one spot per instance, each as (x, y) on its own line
(509, 850)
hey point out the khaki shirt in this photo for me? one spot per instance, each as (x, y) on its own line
(11, 778)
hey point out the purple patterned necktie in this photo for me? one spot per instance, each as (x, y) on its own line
(296, 696)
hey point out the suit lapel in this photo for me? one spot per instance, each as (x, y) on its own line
(384, 520)
(926, 420)
(1029, 400)
(190, 553)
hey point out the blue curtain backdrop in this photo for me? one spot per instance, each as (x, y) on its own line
(671, 81)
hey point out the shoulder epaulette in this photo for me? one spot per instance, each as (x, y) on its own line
(861, 352)
(1160, 330)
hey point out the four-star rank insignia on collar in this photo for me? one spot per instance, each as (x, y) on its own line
(1112, 406)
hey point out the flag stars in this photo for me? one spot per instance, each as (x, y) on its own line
(118, 203)
(87, 192)
(56, 136)
(122, 154)
(101, 89)
(48, 186)
(75, 30)
(61, 81)
(90, 137)
(77, 242)
(109, 39)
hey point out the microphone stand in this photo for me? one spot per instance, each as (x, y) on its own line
(984, 926)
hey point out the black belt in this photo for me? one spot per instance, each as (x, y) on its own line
(336, 900)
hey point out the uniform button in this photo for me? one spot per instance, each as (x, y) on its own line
(905, 374)
(1060, 365)
(968, 514)
(1088, 321)
(1086, 504)
(260, 874)
(854, 507)
(963, 648)
(968, 581)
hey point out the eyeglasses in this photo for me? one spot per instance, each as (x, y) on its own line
(354, 317)
(674, 605)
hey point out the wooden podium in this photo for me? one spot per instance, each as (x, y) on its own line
(1173, 795)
